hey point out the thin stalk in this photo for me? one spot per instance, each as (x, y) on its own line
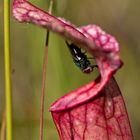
(7, 70)
(44, 78)
(3, 127)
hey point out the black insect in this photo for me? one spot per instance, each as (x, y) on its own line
(80, 59)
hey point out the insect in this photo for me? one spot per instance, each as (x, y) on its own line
(80, 58)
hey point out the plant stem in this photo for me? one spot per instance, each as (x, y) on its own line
(3, 127)
(44, 78)
(7, 70)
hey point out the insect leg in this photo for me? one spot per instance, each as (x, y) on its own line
(90, 58)
(67, 43)
(94, 66)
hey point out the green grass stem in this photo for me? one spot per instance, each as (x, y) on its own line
(7, 70)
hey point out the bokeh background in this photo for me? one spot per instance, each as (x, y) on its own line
(121, 18)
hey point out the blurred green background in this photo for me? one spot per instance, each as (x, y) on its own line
(120, 18)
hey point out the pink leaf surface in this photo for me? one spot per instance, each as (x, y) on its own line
(101, 118)
(95, 111)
